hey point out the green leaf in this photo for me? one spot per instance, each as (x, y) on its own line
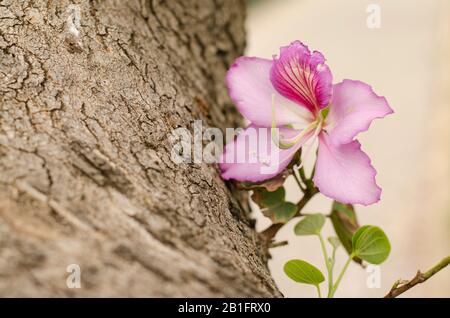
(267, 199)
(310, 225)
(273, 204)
(334, 241)
(345, 223)
(371, 244)
(303, 272)
(283, 212)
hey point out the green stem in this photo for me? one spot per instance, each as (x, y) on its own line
(310, 191)
(318, 291)
(333, 257)
(336, 285)
(313, 172)
(328, 264)
(302, 174)
(299, 183)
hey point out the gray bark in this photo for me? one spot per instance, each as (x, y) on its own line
(85, 170)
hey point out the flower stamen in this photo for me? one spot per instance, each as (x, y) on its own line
(288, 143)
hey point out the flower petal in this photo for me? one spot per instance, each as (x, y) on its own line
(344, 173)
(249, 86)
(302, 77)
(353, 107)
(253, 156)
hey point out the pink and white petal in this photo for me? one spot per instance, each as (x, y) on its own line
(302, 76)
(254, 157)
(344, 173)
(354, 106)
(249, 86)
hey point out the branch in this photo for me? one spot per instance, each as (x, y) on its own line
(401, 286)
(272, 230)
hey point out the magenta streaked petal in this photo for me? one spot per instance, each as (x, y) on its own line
(249, 86)
(344, 173)
(354, 106)
(260, 158)
(302, 76)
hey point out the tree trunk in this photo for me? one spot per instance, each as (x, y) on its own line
(89, 93)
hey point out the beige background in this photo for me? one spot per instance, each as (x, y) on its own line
(407, 61)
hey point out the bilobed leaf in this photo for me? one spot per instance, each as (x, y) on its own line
(371, 244)
(358, 233)
(303, 272)
(334, 241)
(345, 224)
(283, 212)
(273, 204)
(267, 199)
(280, 213)
(310, 225)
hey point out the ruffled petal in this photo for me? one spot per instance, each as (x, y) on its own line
(253, 156)
(302, 76)
(353, 107)
(249, 86)
(344, 173)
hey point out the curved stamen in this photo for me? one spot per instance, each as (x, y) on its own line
(311, 143)
(288, 143)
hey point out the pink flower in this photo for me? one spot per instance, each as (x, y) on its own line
(295, 94)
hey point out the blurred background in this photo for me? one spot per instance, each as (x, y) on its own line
(407, 60)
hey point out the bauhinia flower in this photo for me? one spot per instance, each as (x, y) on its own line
(292, 97)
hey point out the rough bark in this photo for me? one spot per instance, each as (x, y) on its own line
(85, 170)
